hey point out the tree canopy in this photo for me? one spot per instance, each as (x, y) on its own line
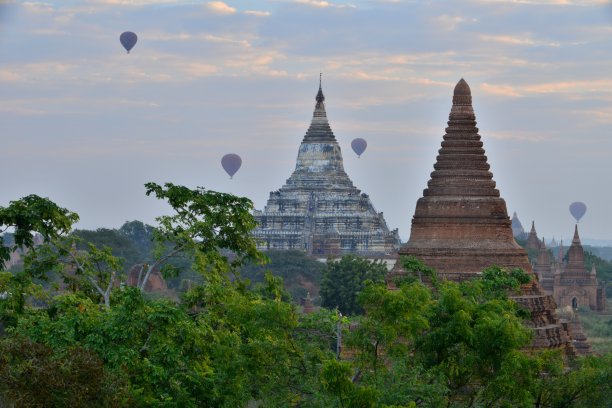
(225, 343)
(343, 281)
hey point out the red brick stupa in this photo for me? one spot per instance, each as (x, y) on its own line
(461, 224)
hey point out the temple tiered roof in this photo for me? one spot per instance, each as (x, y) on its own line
(319, 210)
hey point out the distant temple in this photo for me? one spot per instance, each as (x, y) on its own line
(533, 242)
(574, 285)
(569, 282)
(318, 210)
(461, 225)
(517, 227)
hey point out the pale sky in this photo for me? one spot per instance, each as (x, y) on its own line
(86, 125)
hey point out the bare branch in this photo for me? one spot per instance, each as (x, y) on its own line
(156, 264)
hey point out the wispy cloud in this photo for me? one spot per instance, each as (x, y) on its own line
(597, 116)
(185, 36)
(561, 87)
(502, 90)
(324, 4)
(596, 86)
(521, 135)
(38, 7)
(448, 22)
(258, 13)
(220, 7)
(135, 2)
(581, 3)
(9, 76)
(518, 40)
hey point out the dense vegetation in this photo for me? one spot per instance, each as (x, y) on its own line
(300, 273)
(344, 280)
(228, 343)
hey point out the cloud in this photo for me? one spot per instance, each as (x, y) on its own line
(597, 116)
(521, 135)
(136, 2)
(596, 86)
(183, 36)
(503, 90)
(547, 2)
(257, 13)
(518, 40)
(561, 87)
(220, 7)
(323, 4)
(447, 22)
(9, 76)
(198, 69)
(17, 108)
(38, 7)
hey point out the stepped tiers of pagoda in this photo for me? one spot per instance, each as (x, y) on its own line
(461, 224)
(319, 210)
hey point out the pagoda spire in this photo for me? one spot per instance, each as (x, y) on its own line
(461, 167)
(320, 97)
(575, 254)
(533, 242)
(576, 239)
(319, 130)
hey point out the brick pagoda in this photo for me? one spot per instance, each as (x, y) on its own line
(461, 225)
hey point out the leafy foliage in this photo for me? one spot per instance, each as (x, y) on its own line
(295, 268)
(33, 214)
(121, 246)
(343, 280)
(228, 344)
(36, 375)
(459, 337)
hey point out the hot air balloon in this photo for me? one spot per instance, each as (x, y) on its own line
(577, 209)
(128, 40)
(359, 145)
(231, 163)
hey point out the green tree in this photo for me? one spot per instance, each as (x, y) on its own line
(121, 245)
(35, 375)
(295, 267)
(26, 216)
(140, 234)
(343, 280)
(29, 215)
(206, 222)
(446, 347)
